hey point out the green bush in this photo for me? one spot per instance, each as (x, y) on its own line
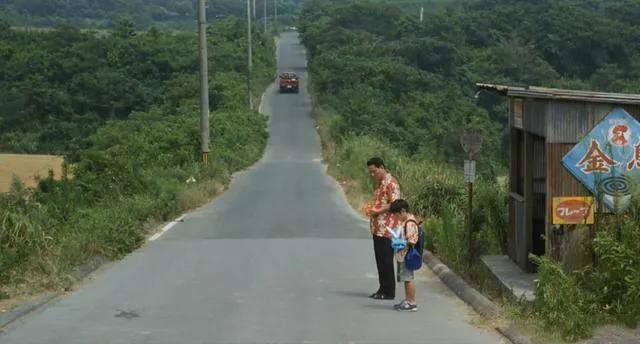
(573, 303)
(403, 90)
(23, 230)
(491, 216)
(436, 192)
(445, 236)
(615, 279)
(432, 188)
(561, 304)
(352, 154)
(130, 168)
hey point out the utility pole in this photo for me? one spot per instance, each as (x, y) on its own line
(275, 9)
(421, 14)
(470, 245)
(471, 143)
(204, 82)
(254, 9)
(250, 62)
(264, 14)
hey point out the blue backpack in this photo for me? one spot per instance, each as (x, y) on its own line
(413, 259)
(398, 243)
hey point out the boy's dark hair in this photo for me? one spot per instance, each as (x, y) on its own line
(377, 162)
(397, 206)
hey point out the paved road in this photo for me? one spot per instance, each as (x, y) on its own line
(279, 258)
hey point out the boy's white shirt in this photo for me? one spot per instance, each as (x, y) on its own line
(397, 233)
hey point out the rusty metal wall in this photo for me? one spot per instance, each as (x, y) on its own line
(515, 106)
(559, 125)
(511, 231)
(569, 122)
(539, 189)
(539, 165)
(535, 116)
(518, 240)
(633, 110)
(560, 183)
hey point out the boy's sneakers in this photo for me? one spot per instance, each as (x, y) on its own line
(396, 306)
(406, 307)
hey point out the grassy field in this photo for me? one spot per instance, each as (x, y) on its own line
(27, 168)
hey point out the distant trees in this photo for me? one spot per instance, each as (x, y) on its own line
(107, 13)
(122, 107)
(411, 83)
(58, 86)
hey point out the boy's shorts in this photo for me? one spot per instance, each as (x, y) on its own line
(404, 274)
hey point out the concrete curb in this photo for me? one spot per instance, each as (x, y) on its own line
(24, 309)
(477, 301)
(77, 275)
(480, 303)
(513, 336)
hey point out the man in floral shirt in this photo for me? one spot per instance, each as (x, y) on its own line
(380, 218)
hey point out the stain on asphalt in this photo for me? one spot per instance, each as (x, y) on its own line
(126, 314)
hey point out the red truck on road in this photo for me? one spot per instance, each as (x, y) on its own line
(289, 82)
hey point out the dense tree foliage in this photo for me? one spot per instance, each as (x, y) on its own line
(58, 86)
(107, 13)
(411, 83)
(122, 106)
(387, 84)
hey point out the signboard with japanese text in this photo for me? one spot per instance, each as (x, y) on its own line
(470, 171)
(573, 210)
(607, 160)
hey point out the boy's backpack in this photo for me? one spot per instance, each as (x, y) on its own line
(413, 259)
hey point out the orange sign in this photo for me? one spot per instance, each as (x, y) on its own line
(573, 211)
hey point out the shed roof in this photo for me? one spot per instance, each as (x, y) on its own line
(561, 94)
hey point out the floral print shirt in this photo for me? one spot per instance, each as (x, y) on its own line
(387, 192)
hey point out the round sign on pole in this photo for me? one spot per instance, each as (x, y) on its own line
(471, 143)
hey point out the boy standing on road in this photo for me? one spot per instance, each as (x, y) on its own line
(387, 192)
(407, 230)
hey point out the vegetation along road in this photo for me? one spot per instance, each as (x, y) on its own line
(280, 257)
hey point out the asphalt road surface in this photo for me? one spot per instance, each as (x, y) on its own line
(279, 258)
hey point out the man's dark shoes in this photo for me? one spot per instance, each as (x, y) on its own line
(380, 296)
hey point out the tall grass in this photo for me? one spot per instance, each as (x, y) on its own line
(572, 303)
(133, 175)
(436, 192)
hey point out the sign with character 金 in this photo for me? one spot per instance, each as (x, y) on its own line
(607, 160)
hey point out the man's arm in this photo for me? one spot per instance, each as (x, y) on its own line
(380, 210)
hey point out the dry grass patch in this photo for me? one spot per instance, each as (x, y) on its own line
(28, 168)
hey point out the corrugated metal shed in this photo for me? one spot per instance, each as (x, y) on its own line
(536, 119)
(560, 94)
(545, 124)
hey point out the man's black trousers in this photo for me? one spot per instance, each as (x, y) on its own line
(384, 262)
